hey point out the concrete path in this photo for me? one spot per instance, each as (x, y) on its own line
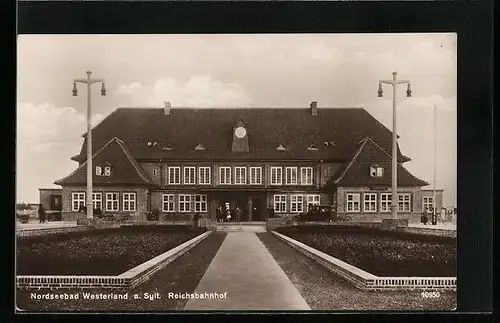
(252, 279)
(439, 225)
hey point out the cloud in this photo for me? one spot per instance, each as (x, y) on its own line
(197, 91)
(44, 126)
(126, 89)
(318, 52)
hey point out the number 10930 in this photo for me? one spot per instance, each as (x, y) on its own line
(430, 294)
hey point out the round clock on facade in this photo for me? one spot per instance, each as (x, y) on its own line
(240, 132)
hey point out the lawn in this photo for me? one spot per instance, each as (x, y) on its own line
(381, 253)
(180, 276)
(99, 252)
(323, 290)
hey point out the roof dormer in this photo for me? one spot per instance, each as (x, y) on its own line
(281, 148)
(199, 147)
(312, 147)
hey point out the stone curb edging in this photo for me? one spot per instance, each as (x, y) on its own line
(126, 280)
(273, 224)
(46, 231)
(364, 280)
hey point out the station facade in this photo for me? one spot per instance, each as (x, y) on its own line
(182, 161)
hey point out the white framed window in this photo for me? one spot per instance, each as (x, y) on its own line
(184, 203)
(204, 175)
(385, 202)
(404, 202)
(112, 201)
(98, 170)
(313, 199)
(97, 201)
(376, 171)
(77, 201)
(200, 203)
(352, 202)
(280, 203)
(168, 203)
(107, 171)
(174, 175)
(291, 175)
(427, 203)
(296, 203)
(225, 175)
(189, 175)
(276, 176)
(128, 201)
(370, 202)
(306, 175)
(240, 175)
(255, 175)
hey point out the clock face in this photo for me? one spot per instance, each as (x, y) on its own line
(240, 132)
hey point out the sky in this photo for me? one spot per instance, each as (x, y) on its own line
(256, 70)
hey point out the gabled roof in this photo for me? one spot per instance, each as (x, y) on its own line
(357, 170)
(295, 128)
(124, 168)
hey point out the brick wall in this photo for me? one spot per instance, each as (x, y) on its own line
(157, 203)
(415, 203)
(141, 200)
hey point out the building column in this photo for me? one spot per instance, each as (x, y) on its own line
(250, 208)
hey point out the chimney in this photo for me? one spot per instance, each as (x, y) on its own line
(166, 108)
(314, 108)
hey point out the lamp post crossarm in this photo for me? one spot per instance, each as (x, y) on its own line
(81, 81)
(391, 82)
(97, 81)
(402, 82)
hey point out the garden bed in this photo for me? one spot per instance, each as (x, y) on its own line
(381, 253)
(98, 252)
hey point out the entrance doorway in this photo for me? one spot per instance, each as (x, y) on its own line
(252, 205)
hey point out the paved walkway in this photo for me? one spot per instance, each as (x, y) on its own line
(245, 270)
(32, 225)
(439, 225)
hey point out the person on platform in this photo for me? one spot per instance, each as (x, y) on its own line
(196, 217)
(238, 213)
(41, 213)
(270, 210)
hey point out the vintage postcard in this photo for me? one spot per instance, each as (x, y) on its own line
(259, 172)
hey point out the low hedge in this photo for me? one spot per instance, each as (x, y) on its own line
(382, 253)
(98, 252)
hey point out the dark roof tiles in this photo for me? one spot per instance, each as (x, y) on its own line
(296, 129)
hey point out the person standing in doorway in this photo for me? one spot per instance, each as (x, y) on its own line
(238, 212)
(41, 213)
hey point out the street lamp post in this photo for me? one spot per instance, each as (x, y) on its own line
(89, 81)
(394, 82)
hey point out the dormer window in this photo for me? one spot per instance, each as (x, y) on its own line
(312, 147)
(150, 143)
(376, 171)
(167, 147)
(98, 170)
(199, 147)
(107, 171)
(281, 148)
